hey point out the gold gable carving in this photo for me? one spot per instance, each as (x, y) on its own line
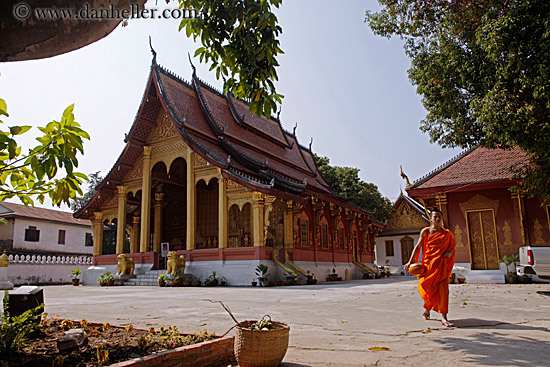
(478, 202)
(136, 172)
(406, 217)
(198, 161)
(163, 130)
(168, 153)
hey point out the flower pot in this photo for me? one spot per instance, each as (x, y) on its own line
(111, 282)
(186, 284)
(76, 282)
(196, 283)
(102, 284)
(162, 283)
(461, 280)
(254, 284)
(223, 283)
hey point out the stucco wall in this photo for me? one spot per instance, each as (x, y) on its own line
(75, 237)
(395, 262)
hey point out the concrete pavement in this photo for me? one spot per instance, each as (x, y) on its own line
(335, 324)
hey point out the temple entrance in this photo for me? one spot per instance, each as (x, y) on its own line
(239, 226)
(407, 245)
(275, 235)
(206, 235)
(482, 239)
(174, 206)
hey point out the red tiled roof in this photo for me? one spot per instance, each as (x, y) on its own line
(8, 210)
(478, 165)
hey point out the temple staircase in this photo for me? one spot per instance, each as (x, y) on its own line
(298, 269)
(150, 278)
(283, 266)
(365, 268)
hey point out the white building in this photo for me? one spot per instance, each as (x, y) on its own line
(394, 245)
(30, 230)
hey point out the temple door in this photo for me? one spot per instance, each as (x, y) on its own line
(482, 239)
(407, 245)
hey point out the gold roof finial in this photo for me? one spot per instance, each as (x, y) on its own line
(407, 182)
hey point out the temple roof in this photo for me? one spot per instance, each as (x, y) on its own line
(254, 151)
(477, 165)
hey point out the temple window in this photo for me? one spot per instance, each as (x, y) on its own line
(341, 238)
(389, 248)
(32, 234)
(61, 237)
(88, 241)
(304, 231)
(324, 235)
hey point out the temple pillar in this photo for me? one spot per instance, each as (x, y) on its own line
(441, 202)
(97, 227)
(222, 213)
(191, 201)
(287, 224)
(258, 219)
(134, 235)
(157, 234)
(521, 213)
(121, 219)
(145, 200)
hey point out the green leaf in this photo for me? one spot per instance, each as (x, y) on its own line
(3, 107)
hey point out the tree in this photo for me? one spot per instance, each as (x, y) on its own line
(33, 174)
(94, 179)
(482, 69)
(239, 40)
(345, 181)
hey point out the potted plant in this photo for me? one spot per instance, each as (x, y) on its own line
(254, 282)
(76, 277)
(223, 281)
(261, 272)
(311, 278)
(196, 281)
(106, 278)
(176, 280)
(187, 280)
(162, 280)
(211, 280)
(333, 276)
(511, 276)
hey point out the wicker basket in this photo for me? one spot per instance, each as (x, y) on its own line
(261, 348)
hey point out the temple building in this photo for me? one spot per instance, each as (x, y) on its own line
(203, 176)
(488, 218)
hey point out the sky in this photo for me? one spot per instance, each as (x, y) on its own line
(344, 87)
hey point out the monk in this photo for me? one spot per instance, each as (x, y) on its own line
(438, 256)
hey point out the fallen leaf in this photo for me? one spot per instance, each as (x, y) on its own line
(344, 321)
(377, 349)
(426, 331)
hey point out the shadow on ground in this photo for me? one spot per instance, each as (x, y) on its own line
(497, 344)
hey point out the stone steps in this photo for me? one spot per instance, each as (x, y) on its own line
(150, 278)
(484, 277)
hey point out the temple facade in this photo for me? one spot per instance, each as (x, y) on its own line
(202, 176)
(487, 217)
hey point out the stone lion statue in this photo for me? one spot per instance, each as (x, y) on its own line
(125, 266)
(175, 264)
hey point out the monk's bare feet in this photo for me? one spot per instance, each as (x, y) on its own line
(426, 314)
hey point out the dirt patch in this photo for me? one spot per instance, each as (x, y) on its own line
(119, 343)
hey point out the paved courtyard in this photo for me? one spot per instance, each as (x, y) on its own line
(335, 324)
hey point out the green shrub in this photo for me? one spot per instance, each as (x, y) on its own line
(14, 331)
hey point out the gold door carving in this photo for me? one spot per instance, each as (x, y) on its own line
(483, 239)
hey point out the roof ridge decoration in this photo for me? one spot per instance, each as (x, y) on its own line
(241, 154)
(214, 124)
(442, 167)
(238, 119)
(253, 180)
(222, 162)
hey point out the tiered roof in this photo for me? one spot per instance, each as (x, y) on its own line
(253, 151)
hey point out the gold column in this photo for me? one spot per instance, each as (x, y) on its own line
(222, 213)
(519, 197)
(158, 222)
(191, 200)
(145, 200)
(134, 235)
(258, 219)
(441, 202)
(287, 224)
(121, 219)
(98, 233)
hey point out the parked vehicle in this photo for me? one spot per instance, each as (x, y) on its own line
(534, 262)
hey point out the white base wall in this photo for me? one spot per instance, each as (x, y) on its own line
(37, 274)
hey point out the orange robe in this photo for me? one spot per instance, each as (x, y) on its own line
(434, 286)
